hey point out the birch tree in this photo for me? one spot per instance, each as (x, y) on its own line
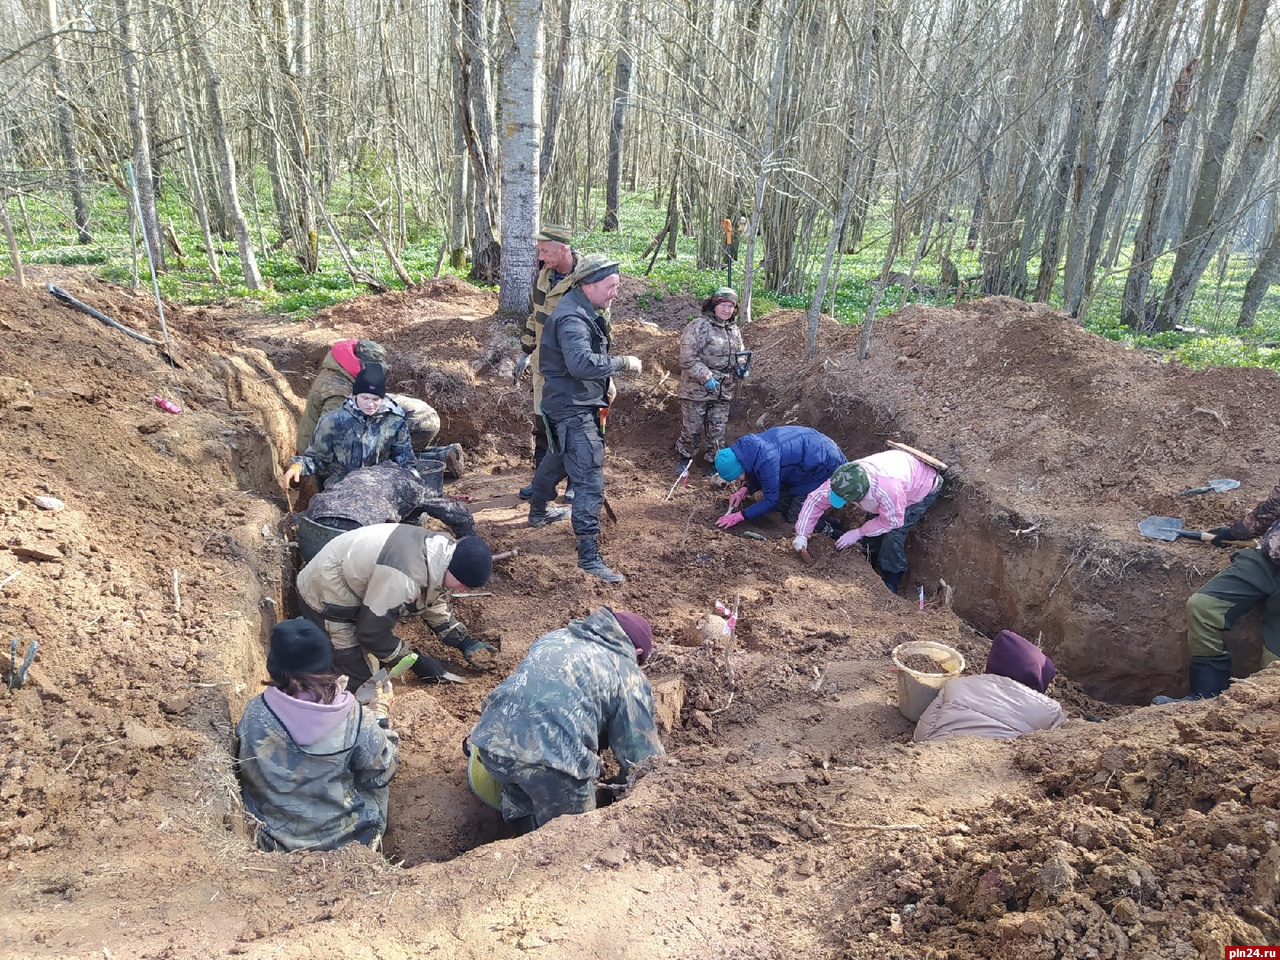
(521, 134)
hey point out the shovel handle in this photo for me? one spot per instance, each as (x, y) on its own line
(1196, 535)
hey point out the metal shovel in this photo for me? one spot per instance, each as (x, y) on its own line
(1213, 486)
(1170, 528)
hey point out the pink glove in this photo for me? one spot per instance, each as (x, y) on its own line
(848, 540)
(736, 498)
(729, 520)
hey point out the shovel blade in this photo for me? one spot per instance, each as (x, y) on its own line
(1222, 486)
(1160, 528)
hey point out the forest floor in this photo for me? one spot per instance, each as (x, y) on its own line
(792, 816)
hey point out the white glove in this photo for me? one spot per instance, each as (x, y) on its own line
(800, 542)
(631, 364)
(612, 393)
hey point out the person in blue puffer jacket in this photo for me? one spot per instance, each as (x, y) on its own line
(783, 464)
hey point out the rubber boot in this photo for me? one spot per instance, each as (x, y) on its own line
(892, 580)
(527, 492)
(451, 455)
(540, 514)
(1207, 677)
(589, 560)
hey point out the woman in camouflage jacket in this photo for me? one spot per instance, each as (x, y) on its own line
(709, 372)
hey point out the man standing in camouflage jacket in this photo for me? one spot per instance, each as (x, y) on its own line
(360, 584)
(1252, 578)
(574, 358)
(709, 372)
(556, 260)
(535, 751)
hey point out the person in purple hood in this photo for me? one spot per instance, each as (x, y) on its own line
(315, 765)
(1005, 702)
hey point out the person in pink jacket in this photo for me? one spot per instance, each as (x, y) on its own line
(894, 488)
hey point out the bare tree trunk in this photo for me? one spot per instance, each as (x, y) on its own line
(1133, 308)
(15, 255)
(1199, 249)
(1102, 28)
(555, 93)
(393, 113)
(522, 130)
(1209, 209)
(1137, 94)
(138, 133)
(474, 102)
(621, 93)
(1264, 274)
(226, 156)
(67, 126)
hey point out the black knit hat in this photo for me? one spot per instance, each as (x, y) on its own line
(472, 563)
(371, 379)
(298, 646)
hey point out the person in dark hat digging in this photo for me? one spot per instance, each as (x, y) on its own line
(314, 764)
(575, 360)
(535, 752)
(362, 583)
(556, 261)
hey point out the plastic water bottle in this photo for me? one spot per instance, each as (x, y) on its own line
(167, 405)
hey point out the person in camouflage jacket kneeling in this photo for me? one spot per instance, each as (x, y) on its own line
(534, 754)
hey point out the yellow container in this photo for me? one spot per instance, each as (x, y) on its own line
(916, 690)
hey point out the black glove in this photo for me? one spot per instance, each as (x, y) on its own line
(1221, 536)
(428, 668)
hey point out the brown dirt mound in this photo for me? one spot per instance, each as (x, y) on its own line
(792, 816)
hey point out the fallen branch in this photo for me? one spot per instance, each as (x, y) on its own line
(875, 826)
(68, 300)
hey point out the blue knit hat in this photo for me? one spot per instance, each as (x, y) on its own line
(728, 465)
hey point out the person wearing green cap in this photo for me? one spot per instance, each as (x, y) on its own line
(895, 488)
(574, 358)
(556, 260)
(710, 348)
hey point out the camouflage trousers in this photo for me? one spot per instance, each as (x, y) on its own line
(534, 790)
(423, 421)
(709, 417)
(1250, 581)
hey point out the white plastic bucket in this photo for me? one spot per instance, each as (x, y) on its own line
(916, 690)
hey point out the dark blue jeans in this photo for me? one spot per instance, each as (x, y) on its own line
(890, 554)
(577, 451)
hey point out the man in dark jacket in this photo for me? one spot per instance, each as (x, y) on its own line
(785, 464)
(535, 751)
(575, 360)
(386, 493)
(1252, 579)
(556, 261)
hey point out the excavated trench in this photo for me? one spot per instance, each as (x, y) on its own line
(1108, 613)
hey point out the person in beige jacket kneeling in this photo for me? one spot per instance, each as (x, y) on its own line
(1006, 701)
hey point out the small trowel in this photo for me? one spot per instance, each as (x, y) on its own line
(1170, 528)
(369, 689)
(1213, 486)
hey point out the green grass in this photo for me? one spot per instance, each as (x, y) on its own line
(45, 236)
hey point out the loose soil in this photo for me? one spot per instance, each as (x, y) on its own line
(792, 816)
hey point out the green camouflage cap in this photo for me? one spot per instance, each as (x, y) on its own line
(849, 482)
(724, 293)
(594, 267)
(554, 233)
(370, 351)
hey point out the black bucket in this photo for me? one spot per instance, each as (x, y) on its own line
(312, 536)
(432, 471)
